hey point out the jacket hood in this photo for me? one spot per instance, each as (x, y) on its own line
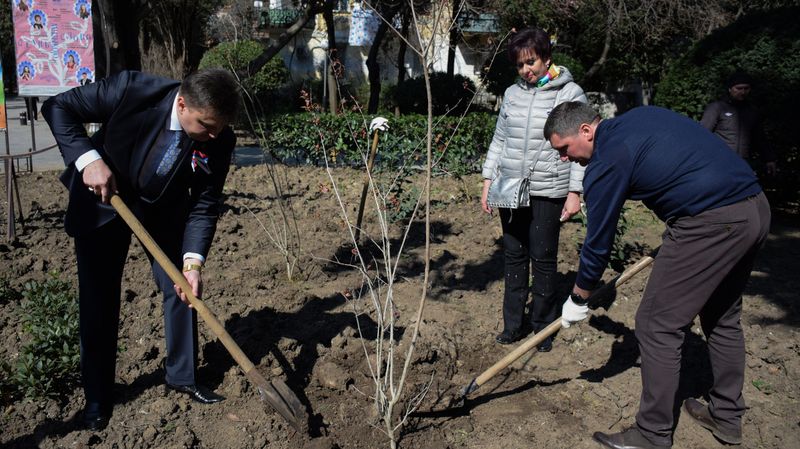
(563, 78)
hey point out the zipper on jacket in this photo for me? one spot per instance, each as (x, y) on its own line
(527, 138)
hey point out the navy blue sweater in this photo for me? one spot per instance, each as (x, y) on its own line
(673, 165)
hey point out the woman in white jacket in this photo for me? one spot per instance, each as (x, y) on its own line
(519, 150)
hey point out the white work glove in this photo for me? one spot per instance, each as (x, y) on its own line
(572, 313)
(379, 123)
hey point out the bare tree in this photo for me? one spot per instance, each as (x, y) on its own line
(389, 362)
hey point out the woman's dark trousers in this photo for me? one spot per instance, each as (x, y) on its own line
(531, 234)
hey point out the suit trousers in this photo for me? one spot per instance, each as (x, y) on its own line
(101, 258)
(530, 237)
(701, 269)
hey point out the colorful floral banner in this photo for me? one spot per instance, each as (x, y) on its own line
(54, 45)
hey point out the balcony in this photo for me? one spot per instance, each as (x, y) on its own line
(478, 23)
(282, 18)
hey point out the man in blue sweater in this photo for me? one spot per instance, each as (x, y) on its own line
(716, 219)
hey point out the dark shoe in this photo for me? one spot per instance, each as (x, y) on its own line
(199, 393)
(93, 419)
(702, 416)
(546, 345)
(507, 337)
(627, 439)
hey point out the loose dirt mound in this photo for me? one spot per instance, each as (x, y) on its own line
(304, 330)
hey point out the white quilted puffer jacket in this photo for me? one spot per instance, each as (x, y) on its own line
(518, 137)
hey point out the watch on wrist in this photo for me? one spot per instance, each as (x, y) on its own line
(192, 267)
(578, 299)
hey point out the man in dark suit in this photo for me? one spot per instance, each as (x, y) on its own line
(165, 147)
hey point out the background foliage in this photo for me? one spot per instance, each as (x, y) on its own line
(766, 44)
(451, 95)
(296, 138)
(264, 86)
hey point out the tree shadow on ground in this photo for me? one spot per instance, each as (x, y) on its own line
(48, 429)
(259, 332)
(695, 373)
(344, 256)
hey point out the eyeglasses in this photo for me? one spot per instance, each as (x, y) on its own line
(531, 61)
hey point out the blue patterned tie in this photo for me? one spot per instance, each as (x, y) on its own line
(168, 160)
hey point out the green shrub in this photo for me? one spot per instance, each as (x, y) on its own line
(766, 45)
(297, 138)
(48, 363)
(449, 95)
(235, 56)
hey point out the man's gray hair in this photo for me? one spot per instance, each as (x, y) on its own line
(566, 118)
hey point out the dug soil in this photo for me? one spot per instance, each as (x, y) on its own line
(317, 331)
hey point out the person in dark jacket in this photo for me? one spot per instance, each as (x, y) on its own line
(143, 152)
(737, 122)
(717, 218)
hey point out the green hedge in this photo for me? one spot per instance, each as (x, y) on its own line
(310, 138)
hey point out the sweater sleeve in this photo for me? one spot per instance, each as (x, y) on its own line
(576, 171)
(606, 191)
(498, 141)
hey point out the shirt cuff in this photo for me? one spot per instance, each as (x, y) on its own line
(194, 256)
(86, 159)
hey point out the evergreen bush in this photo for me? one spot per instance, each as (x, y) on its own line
(48, 363)
(298, 138)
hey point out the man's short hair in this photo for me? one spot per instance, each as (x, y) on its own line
(534, 39)
(214, 89)
(566, 118)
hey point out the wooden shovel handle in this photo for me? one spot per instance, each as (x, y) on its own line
(554, 326)
(518, 352)
(177, 277)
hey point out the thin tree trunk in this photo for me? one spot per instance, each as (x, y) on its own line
(284, 38)
(454, 39)
(374, 69)
(333, 59)
(401, 55)
(602, 59)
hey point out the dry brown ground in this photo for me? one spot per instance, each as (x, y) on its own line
(305, 332)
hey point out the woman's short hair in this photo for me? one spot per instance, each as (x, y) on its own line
(534, 39)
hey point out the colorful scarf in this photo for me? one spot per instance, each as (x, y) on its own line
(552, 73)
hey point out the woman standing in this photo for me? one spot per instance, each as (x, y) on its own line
(519, 152)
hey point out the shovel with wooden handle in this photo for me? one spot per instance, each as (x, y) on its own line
(274, 392)
(539, 337)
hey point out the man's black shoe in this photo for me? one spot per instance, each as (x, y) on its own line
(702, 416)
(627, 439)
(507, 337)
(199, 393)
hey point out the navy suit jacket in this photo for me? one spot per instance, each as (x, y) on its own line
(133, 108)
